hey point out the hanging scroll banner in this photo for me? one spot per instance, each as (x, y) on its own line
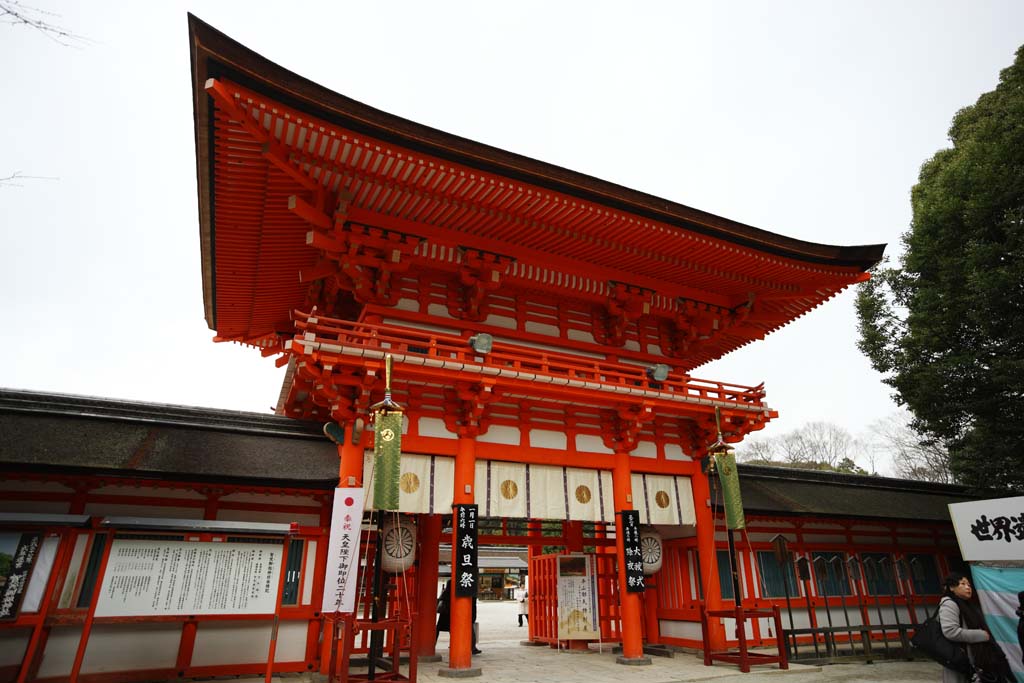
(730, 479)
(343, 550)
(387, 459)
(387, 446)
(464, 570)
(629, 521)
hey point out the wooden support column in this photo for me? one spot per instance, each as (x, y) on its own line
(460, 657)
(707, 557)
(350, 469)
(426, 580)
(632, 638)
(573, 533)
(652, 630)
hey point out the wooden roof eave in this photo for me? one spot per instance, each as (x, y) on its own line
(214, 54)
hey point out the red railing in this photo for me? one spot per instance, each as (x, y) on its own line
(346, 342)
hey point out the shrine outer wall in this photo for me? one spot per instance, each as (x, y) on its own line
(95, 462)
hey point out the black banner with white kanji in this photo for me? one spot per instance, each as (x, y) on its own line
(629, 524)
(464, 571)
(18, 553)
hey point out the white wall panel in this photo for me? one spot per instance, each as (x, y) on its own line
(127, 647)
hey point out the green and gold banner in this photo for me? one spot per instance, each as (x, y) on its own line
(725, 463)
(387, 459)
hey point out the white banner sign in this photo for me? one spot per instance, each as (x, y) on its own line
(156, 577)
(990, 529)
(577, 598)
(343, 551)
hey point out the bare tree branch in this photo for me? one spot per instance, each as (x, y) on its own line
(912, 456)
(12, 180)
(16, 14)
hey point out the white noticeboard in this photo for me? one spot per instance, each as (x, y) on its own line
(577, 598)
(157, 577)
(990, 529)
(343, 551)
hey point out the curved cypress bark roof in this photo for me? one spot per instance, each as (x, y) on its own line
(578, 219)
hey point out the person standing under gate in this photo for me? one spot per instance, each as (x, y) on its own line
(444, 611)
(524, 604)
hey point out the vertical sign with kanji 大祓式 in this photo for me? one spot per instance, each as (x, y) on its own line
(464, 572)
(343, 550)
(630, 524)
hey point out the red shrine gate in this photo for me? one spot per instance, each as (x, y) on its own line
(542, 322)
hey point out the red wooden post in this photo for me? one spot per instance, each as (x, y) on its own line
(426, 584)
(632, 639)
(65, 545)
(461, 643)
(83, 641)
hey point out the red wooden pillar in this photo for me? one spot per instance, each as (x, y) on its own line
(632, 639)
(536, 614)
(707, 557)
(460, 646)
(350, 469)
(572, 531)
(652, 629)
(426, 579)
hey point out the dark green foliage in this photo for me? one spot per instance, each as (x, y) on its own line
(947, 326)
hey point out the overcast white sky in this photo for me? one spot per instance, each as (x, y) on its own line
(810, 119)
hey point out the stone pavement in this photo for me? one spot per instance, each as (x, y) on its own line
(505, 660)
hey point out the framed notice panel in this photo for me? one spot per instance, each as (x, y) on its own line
(169, 577)
(577, 598)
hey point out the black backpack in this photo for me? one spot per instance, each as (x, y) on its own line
(928, 639)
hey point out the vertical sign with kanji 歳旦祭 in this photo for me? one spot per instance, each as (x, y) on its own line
(464, 570)
(343, 550)
(630, 521)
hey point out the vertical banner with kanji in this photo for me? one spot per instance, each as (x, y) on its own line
(629, 522)
(343, 551)
(387, 459)
(464, 572)
(730, 480)
(17, 556)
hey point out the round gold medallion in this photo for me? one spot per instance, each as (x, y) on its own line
(509, 489)
(662, 499)
(583, 494)
(409, 482)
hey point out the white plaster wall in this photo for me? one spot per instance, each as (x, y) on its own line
(115, 510)
(503, 434)
(60, 651)
(587, 443)
(126, 647)
(266, 516)
(12, 646)
(544, 438)
(674, 451)
(680, 629)
(270, 499)
(245, 642)
(432, 426)
(148, 492)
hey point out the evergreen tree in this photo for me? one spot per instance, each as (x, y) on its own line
(947, 325)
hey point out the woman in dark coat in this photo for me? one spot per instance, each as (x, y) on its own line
(962, 622)
(444, 611)
(444, 615)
